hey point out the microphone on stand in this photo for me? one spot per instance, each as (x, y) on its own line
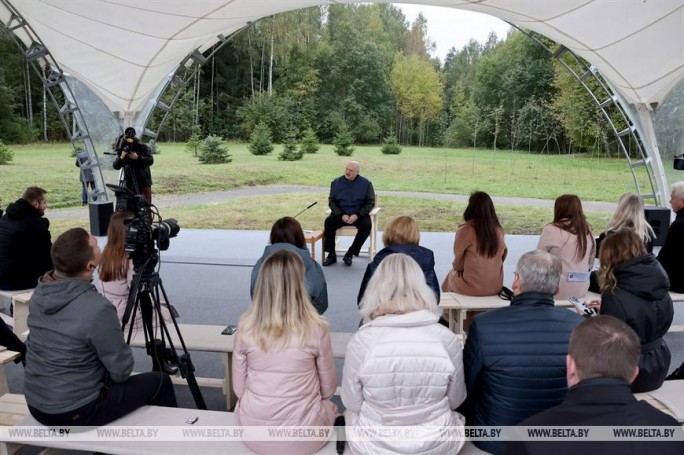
(305, 209)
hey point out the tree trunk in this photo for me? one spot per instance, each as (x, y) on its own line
(29, 100)
(270, 67)
(45, 126)
(251, 60)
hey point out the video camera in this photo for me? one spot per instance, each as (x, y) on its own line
(143, 236)
(125, 142)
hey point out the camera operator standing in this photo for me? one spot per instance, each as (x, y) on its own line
(136, 159)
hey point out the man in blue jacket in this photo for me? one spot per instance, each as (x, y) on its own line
(351, 200)
(78, 366)
(601, 364)
(514, 357)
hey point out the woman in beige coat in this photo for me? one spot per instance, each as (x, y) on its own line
(569, 238)
(479, 250)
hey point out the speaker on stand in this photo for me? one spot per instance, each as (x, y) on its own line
(100, 213)
(659, 219)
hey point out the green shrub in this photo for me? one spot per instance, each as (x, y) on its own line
(260, 142)
(290, 150)
(310, 142)
(214, 151)
(343, 141)
(390, 146)
(194, 143)
(6, 154)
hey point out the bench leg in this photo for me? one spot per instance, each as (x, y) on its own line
(460, 316)
(4, 388)
(231, 399)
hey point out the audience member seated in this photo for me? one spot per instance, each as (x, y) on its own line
(402, 235)
(283, 364)
(514, 357)
(479, 250)
(634, 288)
(78, 366)
(570, 239)
(629, 214)
(351, 200)
(402, 367)
(116, 271)
(25, 241)
(287, 234)
(671, 255)
(601, 363)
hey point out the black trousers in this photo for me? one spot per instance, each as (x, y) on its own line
(116, 400)
(333, 223)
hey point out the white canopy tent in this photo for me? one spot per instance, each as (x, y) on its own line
(125, 50)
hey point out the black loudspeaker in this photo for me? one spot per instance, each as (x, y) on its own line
(659, 219)
(100, 213)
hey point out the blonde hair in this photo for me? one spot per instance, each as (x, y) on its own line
(281, 308)
(397, 287)
(403, 230)
(630, 213)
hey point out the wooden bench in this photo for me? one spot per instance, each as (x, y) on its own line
(4, 294)
(458, 306)
(669, 398)
(208, 338)
(14, 412)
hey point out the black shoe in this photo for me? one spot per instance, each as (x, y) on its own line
(347, 259)
(330, 260)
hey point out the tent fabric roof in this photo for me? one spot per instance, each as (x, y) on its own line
(122, 49)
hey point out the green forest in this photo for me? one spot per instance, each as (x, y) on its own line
(358, 68)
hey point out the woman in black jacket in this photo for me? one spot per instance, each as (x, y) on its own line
(634, 288)
(402, 235)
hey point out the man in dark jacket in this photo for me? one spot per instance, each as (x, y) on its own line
(351, 200)
(671, 255)
(78, 366)
(86, 175)
(25, 241)
(601, 364)
(514, 357)
(136, 159)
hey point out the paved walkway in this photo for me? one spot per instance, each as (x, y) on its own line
(183, 200)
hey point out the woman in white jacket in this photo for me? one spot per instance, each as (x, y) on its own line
(402, 368)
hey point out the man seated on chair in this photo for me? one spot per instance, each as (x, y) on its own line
(78, 366)
(25, 241)
(351, 200)
(601, 363)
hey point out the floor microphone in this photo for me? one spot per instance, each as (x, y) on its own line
(305, 209)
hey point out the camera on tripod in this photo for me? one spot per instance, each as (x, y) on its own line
(143, 236)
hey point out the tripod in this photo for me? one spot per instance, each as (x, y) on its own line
(144, 297)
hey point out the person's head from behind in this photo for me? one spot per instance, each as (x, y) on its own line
(403, 230)
(397, 287)
(537, 271)
(630, 214)
(288, 230)
(567, 210)
(114, 264)
(75, 253)
(617, 248)
(36, 197)
(602, 347)
(281, 307)
(481, 213)
(677, 196)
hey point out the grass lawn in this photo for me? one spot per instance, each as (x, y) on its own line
(448, 171)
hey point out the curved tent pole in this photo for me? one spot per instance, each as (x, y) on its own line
(626, 129)
(178, 80)
(39, 58)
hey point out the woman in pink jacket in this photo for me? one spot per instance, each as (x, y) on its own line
(569, 238)
(283, 365)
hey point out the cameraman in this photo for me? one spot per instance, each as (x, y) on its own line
(136, 159)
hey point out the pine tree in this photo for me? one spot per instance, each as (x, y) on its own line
(214, 151)
(390, 146)
(290, 150)
(194, 143)
(6, 154)
(310, 142)
(343, 141)
(260, 142)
